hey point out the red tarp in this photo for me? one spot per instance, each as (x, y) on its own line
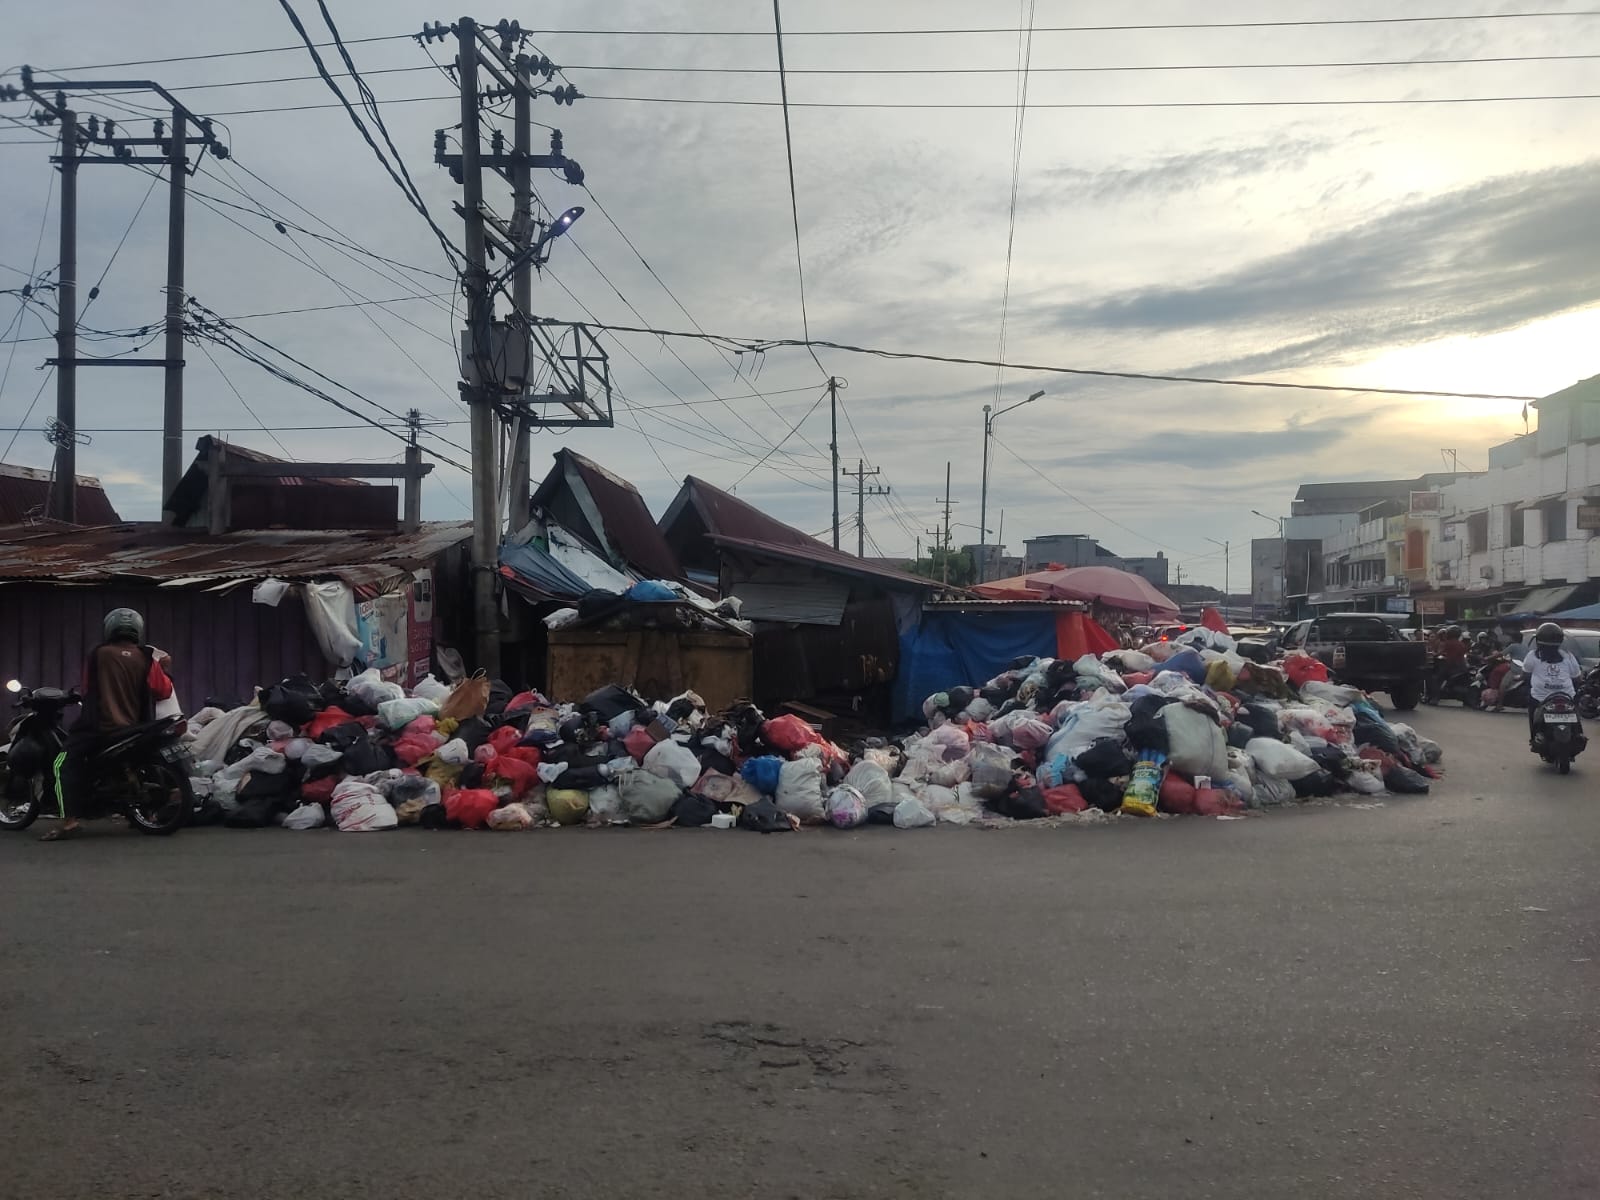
(1105, 586)
(1078, 634)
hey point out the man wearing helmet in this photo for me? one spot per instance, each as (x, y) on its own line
(122, 681)
(1551, 668)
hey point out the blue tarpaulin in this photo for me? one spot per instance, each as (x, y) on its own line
(949, 649)
(1589, 612)
(533, 566)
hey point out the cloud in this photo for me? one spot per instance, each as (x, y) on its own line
(1177, 174)
(1474, 261)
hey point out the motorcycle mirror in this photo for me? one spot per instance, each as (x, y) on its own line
(13, 686)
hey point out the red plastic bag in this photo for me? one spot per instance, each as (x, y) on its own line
(326, 720)
(638, 742)
(1302, 669)
(423, 724)
(520, 775)
(319, 791)
(1064, 799)
(525, 700)
(504, 738)
(1178, 795)
(413, 748)
(470, 806)
(527, 754)
(789, 734)
(1216, 802)
(1135, 678)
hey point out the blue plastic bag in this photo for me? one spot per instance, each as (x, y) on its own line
(1187, 662)
(649, 589)
(762, 773)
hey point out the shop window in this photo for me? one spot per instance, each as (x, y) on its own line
(1555, 520)
(1514, 525)
(1477, 533)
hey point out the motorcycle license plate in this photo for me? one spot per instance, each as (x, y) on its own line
(1561, 718)
(174, 754)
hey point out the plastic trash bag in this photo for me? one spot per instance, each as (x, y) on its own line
(1279, 760)
(799, 790)
(1195, 743)
(470, 807)
(397, 714)
(512, 816)
(605, 806)
(846, 807)
(952, 740)
(872, 781)
(262, 760)
(646, 797)
(991, 771)
(1270, 790)
(674, 761)
(374, 689)
(763, 773)
(1329, 693)
(1064, 799)
(912, 813)
(453, 753)
(429, 688)
(307, 816)
(1364, 782)
(567, 806)
(763, 817)
(1405, 782)
(358, 807)
(1084, 725)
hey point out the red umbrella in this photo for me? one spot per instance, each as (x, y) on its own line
(1107, 587)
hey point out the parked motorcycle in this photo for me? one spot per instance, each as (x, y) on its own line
(1558, 733)
(1589, 695)
(141, 772)
(1465, 684)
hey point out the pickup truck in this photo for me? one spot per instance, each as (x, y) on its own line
(1365, 650)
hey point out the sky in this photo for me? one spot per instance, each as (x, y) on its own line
(1441, 245)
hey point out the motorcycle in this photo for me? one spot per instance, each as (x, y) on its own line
(1464, 684)
(141, 772)
(1589, 695)
(1558, 733)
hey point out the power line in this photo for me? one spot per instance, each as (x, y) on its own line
(794, 202)
(94, 292)
(1025, 60)
(206, 350)
(155, 62)
(780, 442)
(43, 383)
(1073, 28)
(760, 345)
(22, 301)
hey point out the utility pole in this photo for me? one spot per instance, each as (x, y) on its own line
(64, 502)
(983, 495)
(480, 314)
(413, 482)
(1227, 569)
(77, 141)
(947, 502)
(860, 475)
(833, 449)
(522, 284)
(497, 357)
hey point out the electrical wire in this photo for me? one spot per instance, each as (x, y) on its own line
(759, 345)
(176, 58)
(794, 203)
(94, 292)
(32, 273)
(1025, 60)
(206, 350)
(780, 442)
(32, 404)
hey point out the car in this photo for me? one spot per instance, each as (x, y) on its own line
(1366, 650)
(1583, 643)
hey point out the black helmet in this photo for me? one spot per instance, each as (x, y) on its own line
(1450, 632)
(1549, 634)
(123, 624)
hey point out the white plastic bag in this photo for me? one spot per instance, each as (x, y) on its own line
(263, 759)
(647, 797)
(371, 687)
(429, 688)
(317, 755)
(1329, 693)
(1367, 783)
(1195, 744)
(1270, 790)
(605, 805)
(513, 816)
(358, 807)
(872, 781)
(1086, 723)
(912, 813)
(991, 771)
(800, 789)
(846, 807)
(397, 714)
(455, 753)
(307, 816)
(674, 761)
(1279, 760)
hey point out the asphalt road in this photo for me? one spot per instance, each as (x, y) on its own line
(1332, 1001)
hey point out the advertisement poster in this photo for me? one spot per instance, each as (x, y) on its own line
(419, 628)
(381, 626)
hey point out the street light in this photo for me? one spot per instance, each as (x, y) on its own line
(983, 501)
(555, 229)
(1282, 580)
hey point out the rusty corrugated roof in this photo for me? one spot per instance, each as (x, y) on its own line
(190, 491)
(156, 553)
(24, 492)
(826, 558)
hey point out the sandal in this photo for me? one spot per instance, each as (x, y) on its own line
(62, 833)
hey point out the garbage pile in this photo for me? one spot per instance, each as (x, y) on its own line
(1187, 728)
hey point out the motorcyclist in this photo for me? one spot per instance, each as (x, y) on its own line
(122, 680)
(1452, 657)
(1552, 670)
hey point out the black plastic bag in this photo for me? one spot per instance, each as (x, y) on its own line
(500, 695)
(471, 775)
(881, 814)
(474, 731)
(1239, 735)
(611, 701)
(342, 737)
(582, 777)
(693, 811)
(293, 701)
(1331, 759)
(356, 706)
(1376, 733)
(1106, 759)
(1405, 782)
(1263, 721)
(763, 816)
(1022, 804)
(1101, 794)
(1318, 783)
(960, 697)
(364, 757)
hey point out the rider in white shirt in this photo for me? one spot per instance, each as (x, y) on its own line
(1552, 670)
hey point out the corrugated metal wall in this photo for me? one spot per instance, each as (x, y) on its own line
(222, 644)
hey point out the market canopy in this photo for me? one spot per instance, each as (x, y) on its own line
(1105, 586)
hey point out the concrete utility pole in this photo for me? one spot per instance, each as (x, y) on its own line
(522, 284)
(64, 487)
(947, 502)
(77, 142)
(1227, 569)
(478, 368)
(833, 449)
(860, 475)
(413, 482)
(983, 496)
